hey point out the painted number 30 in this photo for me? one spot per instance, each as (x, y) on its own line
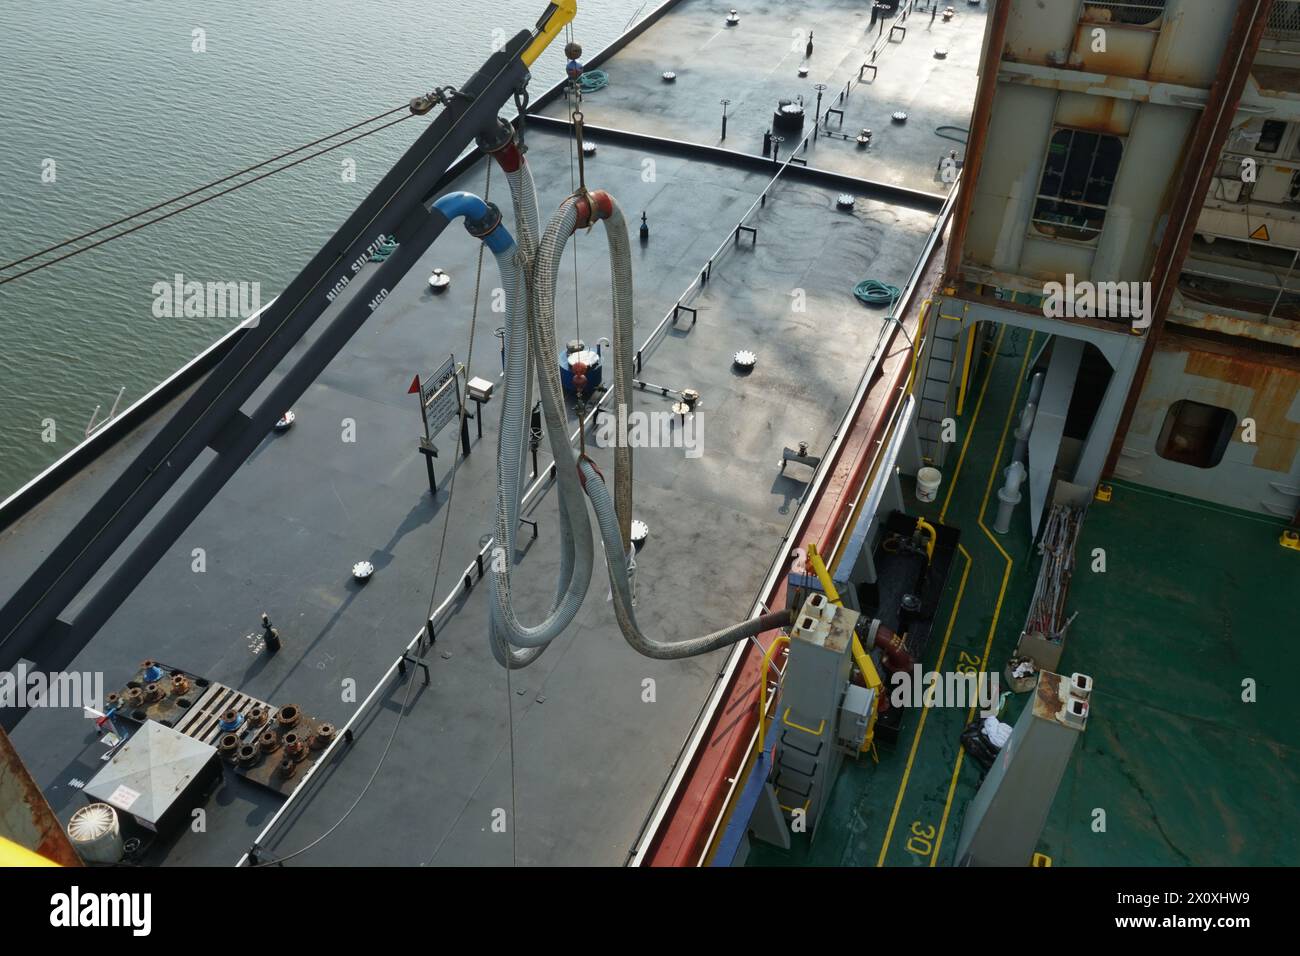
(921, 842)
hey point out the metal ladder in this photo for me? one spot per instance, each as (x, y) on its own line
(940, 367)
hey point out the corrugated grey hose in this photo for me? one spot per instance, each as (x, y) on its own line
(614, 516)
(529, 277)
(514, 644)
(523, 196)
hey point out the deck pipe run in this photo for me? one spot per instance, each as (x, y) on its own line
(1009, 496)
(1026, 424)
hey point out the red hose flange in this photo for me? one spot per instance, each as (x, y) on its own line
(596, 200)
(508, 157)
(583, 478)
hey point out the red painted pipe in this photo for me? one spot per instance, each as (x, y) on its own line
(891, 646)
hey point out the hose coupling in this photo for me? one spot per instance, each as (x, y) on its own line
(582, 478)
(500, 143)
(478, 228)
(592, 205)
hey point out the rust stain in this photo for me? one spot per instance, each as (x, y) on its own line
(1273, 391)
(1127, 55)
(1241, 328)
(1102, 114)
(1170, 62)
(25, 815)
(1047, 697)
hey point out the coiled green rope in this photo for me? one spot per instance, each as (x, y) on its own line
(875, 292)
(593, 80)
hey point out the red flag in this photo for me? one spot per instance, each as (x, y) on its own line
(415, 386)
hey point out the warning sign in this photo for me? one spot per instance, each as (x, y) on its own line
(439, 397)
(124, 797)
(1261, 233)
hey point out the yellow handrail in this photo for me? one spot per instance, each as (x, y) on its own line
(785, 719)
(965, 370)
(833, 595)
(824, 576)
(931, 537)
(860, 656)
(916, 345)
(780, 640)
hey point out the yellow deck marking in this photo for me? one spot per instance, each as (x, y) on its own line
(1002, 592)
(916, 738)
(952, 484)
(970, 430)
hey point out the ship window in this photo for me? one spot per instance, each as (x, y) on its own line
(1132, 12)
(1270, 136)
(1078, 177)
(1196, 434)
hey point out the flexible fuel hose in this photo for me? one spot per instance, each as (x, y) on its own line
(529, 274)
(513, 643)
(614, 515)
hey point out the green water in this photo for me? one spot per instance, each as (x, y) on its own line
(113, 92)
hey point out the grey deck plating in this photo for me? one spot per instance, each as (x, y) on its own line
(589, 751)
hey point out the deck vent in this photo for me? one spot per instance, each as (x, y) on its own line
(362, 570)
(439, 280)
(286, 421)
(669, 76)
(733, 18)
(845, 200)
(899, 116)
(744, 360)
(588, 149)
(1075, 713)
(95, 834)
(640, 531)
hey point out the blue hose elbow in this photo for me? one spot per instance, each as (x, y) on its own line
(482, 219)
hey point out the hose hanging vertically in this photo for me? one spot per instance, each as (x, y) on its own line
(529, 273)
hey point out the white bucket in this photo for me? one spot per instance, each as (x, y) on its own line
(927, 483)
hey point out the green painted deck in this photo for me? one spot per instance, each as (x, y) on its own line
(1195, 600)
